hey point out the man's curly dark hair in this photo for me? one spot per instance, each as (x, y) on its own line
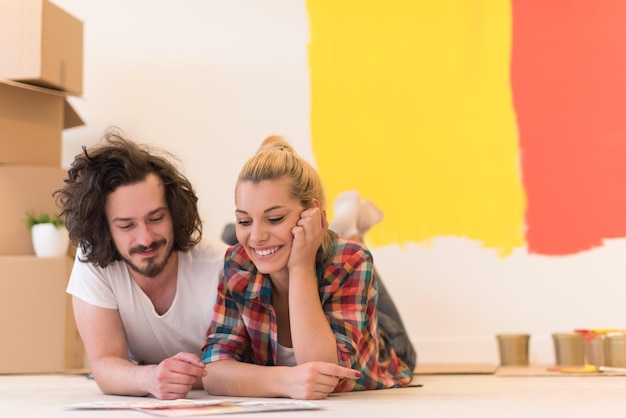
(100, 170)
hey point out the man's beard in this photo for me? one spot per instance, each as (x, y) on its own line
(153, 268)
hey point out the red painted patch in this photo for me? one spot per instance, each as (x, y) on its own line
(569, 89)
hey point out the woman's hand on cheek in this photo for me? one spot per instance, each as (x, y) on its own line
(308, 234)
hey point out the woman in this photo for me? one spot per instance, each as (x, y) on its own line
(294, 294)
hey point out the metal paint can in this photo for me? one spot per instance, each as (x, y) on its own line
(615, 349)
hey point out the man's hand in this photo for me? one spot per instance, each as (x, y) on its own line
(174, 377)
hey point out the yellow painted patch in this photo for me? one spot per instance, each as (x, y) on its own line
(412, 107)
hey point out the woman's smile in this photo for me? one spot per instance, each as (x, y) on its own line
(265, 252)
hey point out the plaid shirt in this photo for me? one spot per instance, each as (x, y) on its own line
(244, 322)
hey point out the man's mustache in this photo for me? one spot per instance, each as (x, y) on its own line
(143, 248)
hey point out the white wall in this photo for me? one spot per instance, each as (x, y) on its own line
(209, 79)
(206, 79)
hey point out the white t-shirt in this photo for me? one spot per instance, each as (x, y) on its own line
(285, 356)
(152, 337)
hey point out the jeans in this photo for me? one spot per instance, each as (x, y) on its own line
(390, 323)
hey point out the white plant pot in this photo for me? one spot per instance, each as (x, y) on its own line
(49, 241)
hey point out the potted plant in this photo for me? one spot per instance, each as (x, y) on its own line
(49, 235)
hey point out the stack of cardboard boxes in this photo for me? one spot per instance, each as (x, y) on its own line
(41, 64)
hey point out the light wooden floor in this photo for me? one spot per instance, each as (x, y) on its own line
(470, 395)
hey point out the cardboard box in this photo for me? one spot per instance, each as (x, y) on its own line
(32, 120)
(75, 355)
(37, 336)
(25, 188)
(41, 44)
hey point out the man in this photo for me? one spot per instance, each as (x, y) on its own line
(143, 285)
